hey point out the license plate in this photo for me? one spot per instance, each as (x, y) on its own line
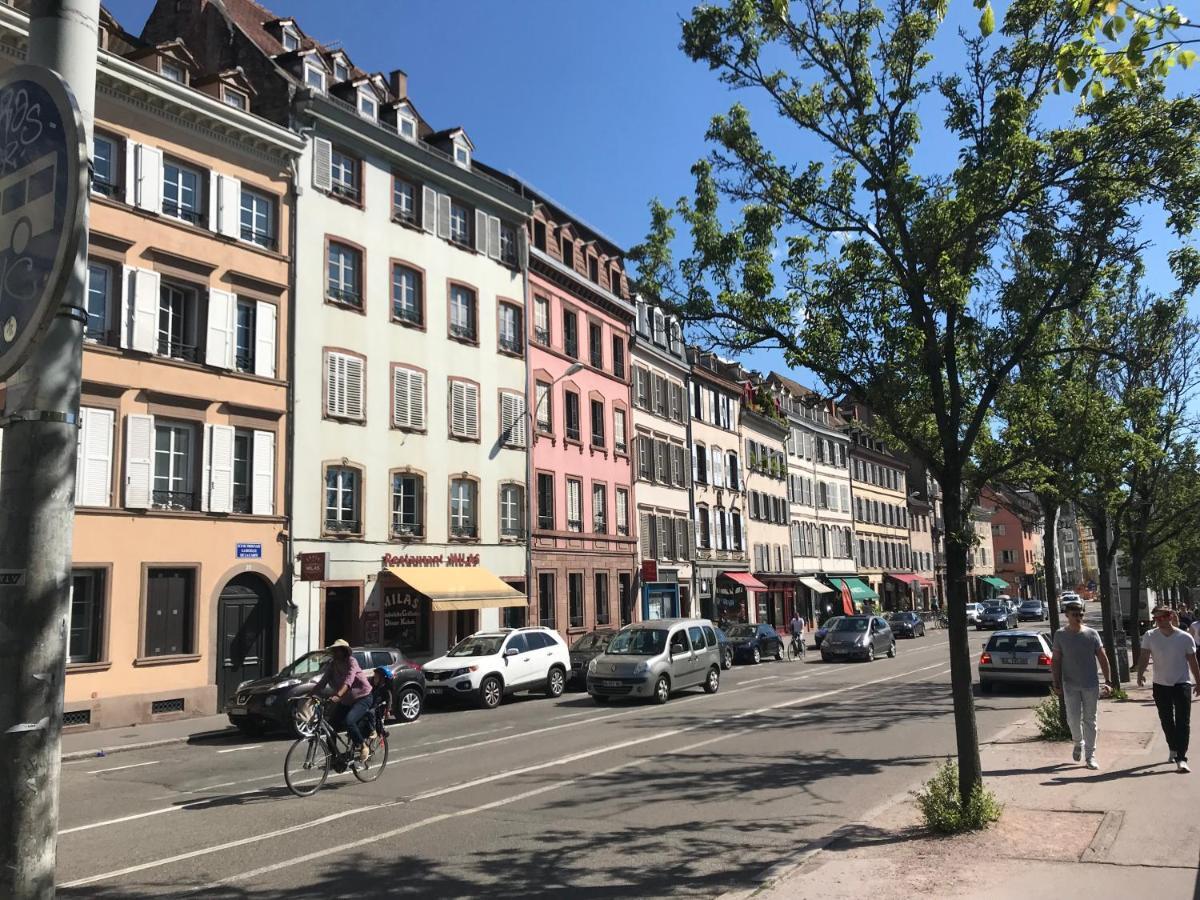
(610, 684)
(432, 689)
(1012, 661)
(237, 711)
(836, 650)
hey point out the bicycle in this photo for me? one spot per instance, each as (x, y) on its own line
(795, 648)
(308, 761)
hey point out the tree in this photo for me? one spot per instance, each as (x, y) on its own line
(917, 289)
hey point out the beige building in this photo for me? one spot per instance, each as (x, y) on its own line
(178, 581)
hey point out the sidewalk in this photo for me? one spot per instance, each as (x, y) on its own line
(1129, 829)
(105, 741)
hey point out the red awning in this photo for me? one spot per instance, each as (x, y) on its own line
(905, 578)
(746, 580)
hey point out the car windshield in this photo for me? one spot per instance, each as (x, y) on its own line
(638, 642)
(1015, 643)
(742, 631)
(306, 666)
(830, 624)
(995, 609)
(851, 625)
(1032, 603)
(900, 617)
(478, 645)
(593, 641)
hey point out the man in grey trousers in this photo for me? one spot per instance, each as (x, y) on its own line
(1077, 649)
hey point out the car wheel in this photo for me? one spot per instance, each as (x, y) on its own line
(662, 689)
(408, 705)
(922, 631)
(727, 659)
(892, 651)
(556, 681)
(985, 687)
(826, 658)
(756, 656)
(712, 683)
(871, 651)
(490, 692)
(779, 651)
(600, 700)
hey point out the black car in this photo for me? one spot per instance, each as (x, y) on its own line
(266, 703)
(906, 624)
(752, 642)
(1031, 610)
(725, 647)
(998, 615)
(584, 650)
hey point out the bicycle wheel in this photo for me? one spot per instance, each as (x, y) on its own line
(791, 653)
(376, 761)
(307, 766)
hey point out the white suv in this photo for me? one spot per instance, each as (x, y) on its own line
(490, 664)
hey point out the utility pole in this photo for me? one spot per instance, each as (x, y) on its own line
(37, 487)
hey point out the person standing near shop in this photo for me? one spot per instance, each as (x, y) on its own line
(1077, 650)
(1176, 679)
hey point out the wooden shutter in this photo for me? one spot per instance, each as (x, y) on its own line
(493, 237)
(148, 172)
(130, 187)
(344, 385)
(717, 466)
(647, 536)
(93, 465)
(458, 409)
(443, 216)
(218, 345)
(220, 468)
(512, 419)
(354, 387)
(472, 419)
(682, 534)
(139, 460)
(214, 201)
(676, 402)
(322, 163)
(401, 398)
(695, 470)
(264, 339)
(263, 487)
(429, 200)
(140, 322)
(229, 219)
(481, 232)
(574, 501)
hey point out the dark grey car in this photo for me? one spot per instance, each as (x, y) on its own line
(858, 637)
(996, 616)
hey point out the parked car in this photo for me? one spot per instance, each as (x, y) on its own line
(864, 637)
(490, 664)
(725, 647)
(1015, 657)
(266, 703)
(1034, 610)
(996, 616)
(906, 624)
(973, 611)
(751, 643)
(820, 633)
(1068, 596)
(584, 650)
(656, 658)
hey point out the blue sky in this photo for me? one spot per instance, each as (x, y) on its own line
(591, 102)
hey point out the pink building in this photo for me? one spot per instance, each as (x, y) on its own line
(1016, 539)
(583, 544)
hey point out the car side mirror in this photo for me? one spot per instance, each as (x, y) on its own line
(511, 651)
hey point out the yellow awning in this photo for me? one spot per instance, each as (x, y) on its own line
(456, 589)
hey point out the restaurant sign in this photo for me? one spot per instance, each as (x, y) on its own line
(455, 560)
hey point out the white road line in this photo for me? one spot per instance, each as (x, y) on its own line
(119, 768)
(240, 749)
(756, 680)
(459, 737)
(575, 757)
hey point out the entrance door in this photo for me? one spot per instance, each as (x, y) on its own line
(626, 598)
(246, 631)
(341, 614)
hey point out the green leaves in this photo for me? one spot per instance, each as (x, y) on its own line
(987, 21)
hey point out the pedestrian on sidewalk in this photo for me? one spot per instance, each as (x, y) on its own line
(1176, 679)
(1077, 650)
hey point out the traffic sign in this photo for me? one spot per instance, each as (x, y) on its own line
(43, 188)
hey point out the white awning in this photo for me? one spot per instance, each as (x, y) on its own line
(813, 585)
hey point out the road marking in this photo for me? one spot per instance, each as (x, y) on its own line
(756, 680)
(240, 749)
(574, 757)
(119, 768)
(459, 737)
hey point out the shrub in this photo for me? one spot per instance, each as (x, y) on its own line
(1050, 722)
(1118, 693)
(942, 809)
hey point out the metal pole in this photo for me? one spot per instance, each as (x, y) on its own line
(37, 487)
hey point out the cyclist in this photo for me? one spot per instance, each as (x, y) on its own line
(797, 627)
(352, 692)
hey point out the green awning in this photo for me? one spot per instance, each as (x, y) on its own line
(994, 582)
(859, 590)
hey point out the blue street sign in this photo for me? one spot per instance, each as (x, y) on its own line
(43, 188)
(249, 551)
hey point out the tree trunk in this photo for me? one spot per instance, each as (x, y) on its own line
(970, 772)
(1104, 554)
(1050, 513)
(1133, 626)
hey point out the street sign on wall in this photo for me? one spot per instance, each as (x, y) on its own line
(43, 187)
(249, 551)
(312, 566)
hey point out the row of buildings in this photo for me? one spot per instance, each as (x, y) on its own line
(344, 380)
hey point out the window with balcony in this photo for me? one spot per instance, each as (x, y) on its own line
(571, 408)
(512, 511)
(175, 463)
(244, 326)
(541, 320)
(574, 504)
(621, 507)
(408, 295)
(508, 245)
(106, 165)
(460, 223)
(619, 440)
(345, 171)
(178, 322)
(597, 423)
(545, 501)
(243, 471)
(510, 329)
(258, 218)
(596, 345)
(183, 192)
(408, 505)
(342, 501)
(542, 408)
(599, 509)
(571, 333)
(344, 275)
(618, 356)
(464, 313)
(100, 303)
(404, 201)
(464, 511)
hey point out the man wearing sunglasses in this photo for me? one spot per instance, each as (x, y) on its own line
(1077, 649)
(1176, 678)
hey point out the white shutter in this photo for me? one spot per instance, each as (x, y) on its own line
(93, 464)
(574, 502)
(333, 384)
(139, 460)
(695, 465)
(218, 347)
(322, 162)
(458, 409)
(416, 399)
(429, 209)
(512, 418)
(229, 214)
(718, 467)
(493, 237)
(443, 216)
(205, 466)
(471, 395)
(142, 309)
(263, 466)
(408, 398)
(354, 387)
(148, 171)
(220, 468)
(264, 339)
(481, 231)
(344, 385)
(131, 172)
(214, 201)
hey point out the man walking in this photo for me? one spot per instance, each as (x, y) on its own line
(1176, 678)
(1077, 649)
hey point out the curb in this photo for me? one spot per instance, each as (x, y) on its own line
(142, 745)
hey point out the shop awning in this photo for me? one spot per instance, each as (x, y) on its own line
(456, 589)
(994, 582)
(746, 580)
(905, 578)
(858, 590)
(815, 586)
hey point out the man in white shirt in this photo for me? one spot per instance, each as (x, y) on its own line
(1176, 678)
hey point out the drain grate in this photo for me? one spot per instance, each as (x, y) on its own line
(77, 717)
(159, 707)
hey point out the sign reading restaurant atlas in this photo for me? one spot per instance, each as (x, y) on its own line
(460, 560)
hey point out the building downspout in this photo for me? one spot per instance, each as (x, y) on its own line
(695, 598)
(531, 415)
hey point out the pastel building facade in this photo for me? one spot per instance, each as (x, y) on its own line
(764, 457)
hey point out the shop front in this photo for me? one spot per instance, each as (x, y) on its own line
(991, 587)
(857, 596)
(905, 590)
(816, 600)
(777, 603)
(660, 591)
(734, 594)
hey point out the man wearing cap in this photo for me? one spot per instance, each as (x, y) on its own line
(352, 692)
(1077, 649)
(1176, 678)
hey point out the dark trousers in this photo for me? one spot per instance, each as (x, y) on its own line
(1174, 702)
(350, 715)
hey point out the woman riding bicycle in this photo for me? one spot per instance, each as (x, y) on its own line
(352, 691)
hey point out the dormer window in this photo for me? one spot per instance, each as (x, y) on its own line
(367, 107)
(290, 38)
(406, 123)
(173, 70)
(341, 71)
(462, 154)
(314, 77)
(233, 98)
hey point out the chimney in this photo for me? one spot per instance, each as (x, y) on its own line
(398, 82)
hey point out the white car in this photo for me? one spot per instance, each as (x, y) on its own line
(490, 664)
(1070, 595)
(973, 611)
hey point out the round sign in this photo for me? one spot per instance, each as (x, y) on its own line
(43, 188)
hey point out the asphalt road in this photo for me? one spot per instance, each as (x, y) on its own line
(539, 798)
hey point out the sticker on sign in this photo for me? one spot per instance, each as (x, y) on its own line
(12, 578)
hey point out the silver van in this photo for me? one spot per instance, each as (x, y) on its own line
(652, 659)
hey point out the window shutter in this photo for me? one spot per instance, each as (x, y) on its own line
(141, 325)
(220, 468)
(493, 237)
(334, 391)
(139, 460)
(481, 232)
(214, 201)
(264, 339)
(512, 419)
(443, 216)
(681, 538)
(458, 409)
(667, 529)
(263, 488)
(401, 398)
(472, 418)
(646, 535)
(429, 199)
(93, 465)
(718, 468)
(354, 387)
(148, 166)
(230, 215)
(130, 186)
(322, 173)
(218, 345)
(695, 472)
(416, 399)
